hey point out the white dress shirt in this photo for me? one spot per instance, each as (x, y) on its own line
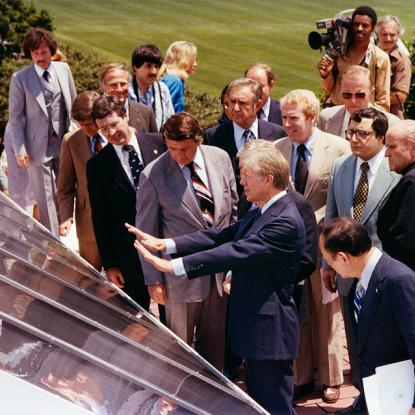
(374, 164)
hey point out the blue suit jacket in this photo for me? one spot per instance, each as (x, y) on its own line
(275, 115)
(264, 256)
(386, 328)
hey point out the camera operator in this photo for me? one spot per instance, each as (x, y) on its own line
(360, 51)
(388, 30)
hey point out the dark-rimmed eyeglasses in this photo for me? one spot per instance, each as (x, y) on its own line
(360, 134)
(349, 95)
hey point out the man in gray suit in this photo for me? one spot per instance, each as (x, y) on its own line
(358, 186)
(189, 188)
(357, 91)
(40, 102)
(114, 80)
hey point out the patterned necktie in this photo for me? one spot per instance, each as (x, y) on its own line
(362, 190)
(97, 144)
(134, 162)
(203, 194)
(301, 169)
(358, 299)
(248, 135)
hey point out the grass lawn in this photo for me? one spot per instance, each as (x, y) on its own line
(229, 35)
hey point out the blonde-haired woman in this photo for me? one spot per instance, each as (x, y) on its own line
(179, 63)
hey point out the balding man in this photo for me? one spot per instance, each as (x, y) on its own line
(270, 110)
(388, 30)
(114, 80)
(396, 223)
(357, 91)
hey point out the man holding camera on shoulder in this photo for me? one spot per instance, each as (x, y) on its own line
(360, 51)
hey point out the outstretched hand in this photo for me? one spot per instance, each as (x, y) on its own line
(150, 242)
(162, 265)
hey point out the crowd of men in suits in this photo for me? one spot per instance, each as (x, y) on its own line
(185, 217)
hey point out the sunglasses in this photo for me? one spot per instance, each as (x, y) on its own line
(358, 95)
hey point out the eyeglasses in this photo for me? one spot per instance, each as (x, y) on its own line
(107, 128)
(360, 134)
(358, 95)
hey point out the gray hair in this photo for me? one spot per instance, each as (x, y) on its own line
(387, 19)
(256, 87)
(111, 67)
(265, 159)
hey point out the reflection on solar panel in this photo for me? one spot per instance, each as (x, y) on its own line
(65, 329)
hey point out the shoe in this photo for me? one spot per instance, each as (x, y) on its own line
(300, 391)
(331, 394)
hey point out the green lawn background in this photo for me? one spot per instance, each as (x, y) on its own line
(229, 35)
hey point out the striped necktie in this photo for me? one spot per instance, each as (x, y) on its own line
(203, 194)
(358, 299)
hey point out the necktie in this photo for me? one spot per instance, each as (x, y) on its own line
(362, 190)
(97, 144)
(46, 76)
(261, 114)
(358, 299)
(203, 194)
(301, 169)
(134, 162)
(248, 135)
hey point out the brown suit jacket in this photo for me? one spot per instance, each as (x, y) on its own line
(72, 184)
(327, 148)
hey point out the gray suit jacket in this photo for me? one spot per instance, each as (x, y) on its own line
(340, 200)
(167, 208)
(28, 116)
(331, 119)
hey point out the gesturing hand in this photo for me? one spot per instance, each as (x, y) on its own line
(162, 265)
(150, 242)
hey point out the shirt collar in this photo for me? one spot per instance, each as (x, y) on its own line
(133, 142)
(40, 71)
(369, 267)
(238, 131)
(309, 143)
(265, 108)
(374, 162)
(198, 160)
(270, 202)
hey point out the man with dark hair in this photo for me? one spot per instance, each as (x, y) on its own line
(396, 222)
(191, 187)
(270, 109)
(358, 186)
(77, 148)
(114, 80)
(145, 62)
(40, 102)
(360, 51)
(263, 250)
(383, 299)
(113, 176)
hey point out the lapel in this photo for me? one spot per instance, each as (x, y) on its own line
(227, 141)
(345, 192)
(81, 148)
(286, 148)
(180, 189)
(246, 223)
(380, 186)
(336, 122)
(263, 130)
(213, 169)
(371, 302)
(317, 162)
(120, 177)
(34, 86)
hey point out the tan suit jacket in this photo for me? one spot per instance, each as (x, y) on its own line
(72, 183)
(332, 118)
(327, 148)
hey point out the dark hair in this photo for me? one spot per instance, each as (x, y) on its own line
(82, 105)
(105, 105)
(380, 121)
(35, 38)
(366, 11)
(182, 126)
(146, 53)
(223, 94)
(345, 235)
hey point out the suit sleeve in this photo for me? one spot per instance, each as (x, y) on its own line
(66, 182)
(274, 241)
(17, 119)
(100, 218)
(148, 220)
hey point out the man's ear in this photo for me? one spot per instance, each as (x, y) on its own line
(271, 84)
